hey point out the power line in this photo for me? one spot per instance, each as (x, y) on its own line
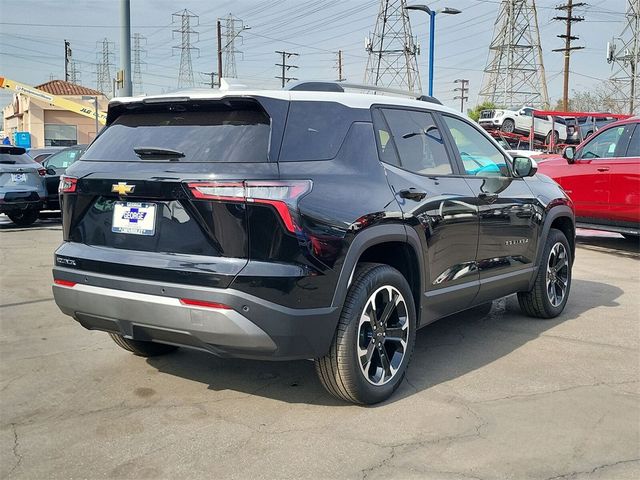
(285, 67)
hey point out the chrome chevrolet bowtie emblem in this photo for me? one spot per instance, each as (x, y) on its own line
(121, 188)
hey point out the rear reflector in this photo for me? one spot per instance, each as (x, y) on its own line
(282, 195)
(64, 283)
(201, 303)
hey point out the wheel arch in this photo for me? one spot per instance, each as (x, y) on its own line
(392, 245)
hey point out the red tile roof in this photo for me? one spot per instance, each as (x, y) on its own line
(60, 87)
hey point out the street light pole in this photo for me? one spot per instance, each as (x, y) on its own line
(432, 31)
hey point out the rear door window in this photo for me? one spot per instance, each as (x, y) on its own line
(634, 145)
(418, 140)
(233, 132)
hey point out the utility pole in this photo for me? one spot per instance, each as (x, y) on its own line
(285, 67)
(212, 82)
(339, 65)
(186, 20)
(219, 29)
(464, 90)
(67, 60)
(124, 74)
(568, 38)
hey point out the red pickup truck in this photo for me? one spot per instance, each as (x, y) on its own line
(602, 177)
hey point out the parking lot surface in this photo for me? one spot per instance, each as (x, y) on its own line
(487, 396)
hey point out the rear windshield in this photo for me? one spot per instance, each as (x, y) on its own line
(205, 132)
(10, 159)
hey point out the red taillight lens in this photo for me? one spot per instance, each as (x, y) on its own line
(67, 184)
(42, 172)
(64, 283)
(201, 303)
(282, 195)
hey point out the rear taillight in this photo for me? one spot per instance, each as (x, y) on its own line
(67, 184)
(42, 172)
(282, 195)
(64, 283)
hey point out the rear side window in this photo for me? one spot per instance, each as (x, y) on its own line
(634, 145)
(315, 130)
(233, 132)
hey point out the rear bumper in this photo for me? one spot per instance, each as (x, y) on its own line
(152, 311)
(20, 200)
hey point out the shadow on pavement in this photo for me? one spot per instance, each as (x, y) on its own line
(606, 242)
(446, 349)
(46, 220)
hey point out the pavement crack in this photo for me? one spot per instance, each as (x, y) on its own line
(593, 470)
(16, 444)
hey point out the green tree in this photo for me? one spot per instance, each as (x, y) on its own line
(474, 113)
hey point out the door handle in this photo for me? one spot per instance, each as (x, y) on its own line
(412, 194)
(488, 197)
(603, 169)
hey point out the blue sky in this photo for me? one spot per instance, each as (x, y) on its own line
(31, 41)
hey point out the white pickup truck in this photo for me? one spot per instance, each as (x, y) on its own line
(512, 121)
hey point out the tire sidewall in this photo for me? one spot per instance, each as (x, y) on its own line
(554, 237)
(374, 279)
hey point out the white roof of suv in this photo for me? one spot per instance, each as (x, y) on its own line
(350, 99)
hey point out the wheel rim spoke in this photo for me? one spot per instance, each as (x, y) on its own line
(383, 334)
(557, 278)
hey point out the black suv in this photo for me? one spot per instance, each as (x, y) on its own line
(302, 224)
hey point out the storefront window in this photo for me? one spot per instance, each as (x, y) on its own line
(60, 135)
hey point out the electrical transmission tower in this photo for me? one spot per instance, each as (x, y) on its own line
(285, 68)
(232, 34)
(138, 53)
(514, 75)
(186, 20)
(626, 79)
(392, 49)
(74, 73)
(105, 63)
(569, 19)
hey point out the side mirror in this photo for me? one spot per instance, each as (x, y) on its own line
(51, 171)
(569, 154)
(524, 167)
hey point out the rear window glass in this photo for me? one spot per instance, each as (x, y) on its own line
(315, 130)
(8, 158)
(213, 132)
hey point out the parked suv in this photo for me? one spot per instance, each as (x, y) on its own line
(301, 224)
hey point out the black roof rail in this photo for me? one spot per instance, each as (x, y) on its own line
(329, 86)
(427, 98)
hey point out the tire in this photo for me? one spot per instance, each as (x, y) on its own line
(543, 300)
(24, 218)
(341, 371)
(142, 349)
(508, 126)
(556, 138)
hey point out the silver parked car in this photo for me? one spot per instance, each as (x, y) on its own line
(22, 187)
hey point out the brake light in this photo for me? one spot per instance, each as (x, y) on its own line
(64, 283)
(67, 184)
(201, 303)
(42, 172)
(282, 195)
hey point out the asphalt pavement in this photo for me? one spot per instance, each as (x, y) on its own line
(487, 396)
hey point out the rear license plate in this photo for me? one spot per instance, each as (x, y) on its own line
(134, 218)
(19, 177)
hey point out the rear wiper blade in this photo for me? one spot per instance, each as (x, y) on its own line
(157, 152)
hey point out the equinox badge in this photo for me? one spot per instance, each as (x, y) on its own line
(121, 188)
